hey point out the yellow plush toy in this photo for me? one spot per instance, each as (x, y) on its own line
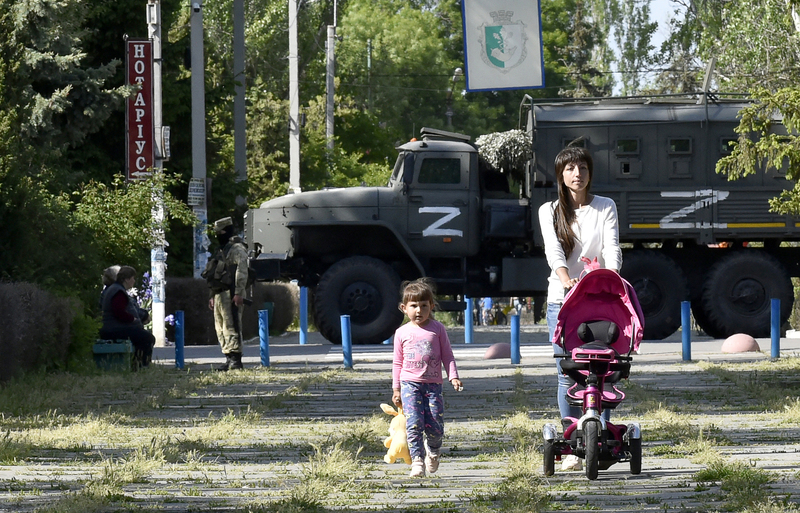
(396, 442)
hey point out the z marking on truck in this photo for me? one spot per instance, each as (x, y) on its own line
(708, 198)
(434, 229)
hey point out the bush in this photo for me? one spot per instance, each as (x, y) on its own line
(36, 329)
(191, 296)
(286, 299)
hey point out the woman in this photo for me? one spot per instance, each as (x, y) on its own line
(122, 317)
(578, 224)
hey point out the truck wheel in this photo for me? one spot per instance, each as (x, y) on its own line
(702, 321)
(738, 291)
(367, 290)
(660, 287)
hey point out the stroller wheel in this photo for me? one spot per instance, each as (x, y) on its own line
(591, 438)
(549, 458)
(636, 456)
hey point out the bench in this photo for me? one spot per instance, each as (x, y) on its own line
(113, 354)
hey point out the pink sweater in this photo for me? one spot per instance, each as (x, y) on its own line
(419, 353)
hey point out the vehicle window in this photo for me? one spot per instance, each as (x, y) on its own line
(440, 171)
(724, 145)
(680, 145)
(627, 147)
(398, 166)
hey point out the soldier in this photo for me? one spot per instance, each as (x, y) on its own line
(226, 274)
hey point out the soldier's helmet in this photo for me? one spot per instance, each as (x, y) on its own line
(221, 224)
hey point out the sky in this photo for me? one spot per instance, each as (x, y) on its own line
(661, 11)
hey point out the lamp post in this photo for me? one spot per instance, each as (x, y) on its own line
(456, 75)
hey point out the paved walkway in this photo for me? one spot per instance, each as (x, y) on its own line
(533, 343)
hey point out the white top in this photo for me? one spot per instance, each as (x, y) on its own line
(597, 232)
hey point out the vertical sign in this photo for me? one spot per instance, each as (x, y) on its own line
(139, 109)
(503, 44)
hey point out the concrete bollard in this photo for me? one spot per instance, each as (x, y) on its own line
(347, 343)
(179, 363)
(263, 335)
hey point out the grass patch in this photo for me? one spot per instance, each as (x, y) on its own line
(521, 490)
(746, 487)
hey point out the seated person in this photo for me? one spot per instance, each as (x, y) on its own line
(122, 317)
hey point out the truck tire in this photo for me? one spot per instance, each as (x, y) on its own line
(700, 317)
(660, 287)
(367, 290)
(738, 291)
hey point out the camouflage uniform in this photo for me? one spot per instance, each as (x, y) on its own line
(227, 274)
(229, 339)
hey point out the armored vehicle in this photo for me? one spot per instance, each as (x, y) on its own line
(687, 233)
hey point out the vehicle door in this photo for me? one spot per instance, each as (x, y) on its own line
(438, 204)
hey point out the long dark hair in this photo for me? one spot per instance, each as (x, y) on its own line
(564, 214)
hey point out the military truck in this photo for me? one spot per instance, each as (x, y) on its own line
(687, 233)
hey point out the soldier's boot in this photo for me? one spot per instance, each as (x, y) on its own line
(236, 361)
(227, 365)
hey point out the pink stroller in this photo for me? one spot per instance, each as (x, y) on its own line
(599, 325)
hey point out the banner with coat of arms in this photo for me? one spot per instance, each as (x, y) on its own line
(502, 44)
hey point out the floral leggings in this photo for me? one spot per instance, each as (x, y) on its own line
(423, 407)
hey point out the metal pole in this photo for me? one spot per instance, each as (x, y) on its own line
(294, 105)
(179, 339)
(158, 254)
(198, 89)
(303, 315)
(468, 322)
(776, 327)
(330, 86)
(347, 343)
(515, 351)
(263, 335)
(686, 330)
(239, 109)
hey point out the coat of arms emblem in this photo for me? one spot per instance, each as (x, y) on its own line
(503, 42)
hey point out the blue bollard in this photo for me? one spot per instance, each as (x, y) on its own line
(686, 330)
(515, 352)
(776, 327)
(468, 322)
(263, 334)
(179, 339)
(347, 343)
(303, 315)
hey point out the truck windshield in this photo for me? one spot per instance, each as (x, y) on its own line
(397, 172)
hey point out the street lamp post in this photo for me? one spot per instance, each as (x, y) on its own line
(456, 75)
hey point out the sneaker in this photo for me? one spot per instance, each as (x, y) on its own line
(417, 468)
(432, 462)
(571, 462)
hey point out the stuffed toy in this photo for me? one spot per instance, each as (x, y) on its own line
(396, 443)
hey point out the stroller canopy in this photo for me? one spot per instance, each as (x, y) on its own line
(601, 295)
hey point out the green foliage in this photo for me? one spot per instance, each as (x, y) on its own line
(64, 100)
(83, 333)
(770, 147)
(742, 35)
(120, 216)
(633, 33)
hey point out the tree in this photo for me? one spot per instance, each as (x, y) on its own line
(755, 61)
(633, 32)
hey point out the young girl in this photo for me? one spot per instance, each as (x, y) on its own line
(578, 224)
(421, 347)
